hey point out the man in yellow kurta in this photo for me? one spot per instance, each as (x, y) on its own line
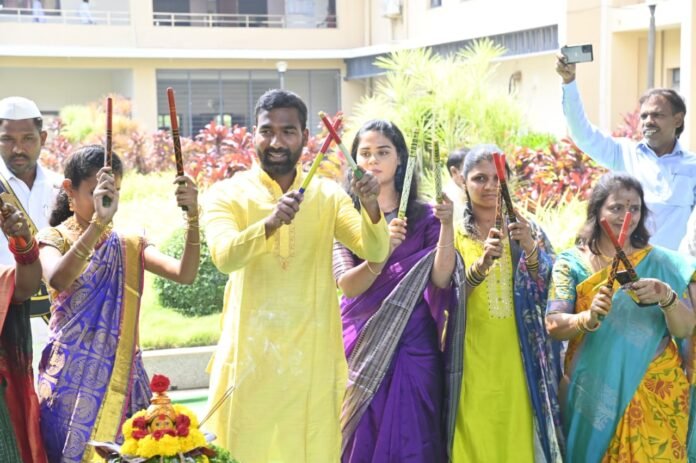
(281, 344)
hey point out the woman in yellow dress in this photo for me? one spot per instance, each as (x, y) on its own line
(502, 400)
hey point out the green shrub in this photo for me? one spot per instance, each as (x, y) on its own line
(205, 295)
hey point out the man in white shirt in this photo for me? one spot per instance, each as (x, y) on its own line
(21, 139)
(666, 170)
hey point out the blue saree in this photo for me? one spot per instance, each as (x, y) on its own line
(91, 375)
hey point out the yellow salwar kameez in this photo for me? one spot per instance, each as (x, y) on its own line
(494, 419)
(281, 342)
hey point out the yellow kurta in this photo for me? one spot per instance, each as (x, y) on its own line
(494, 419)
(281, 342)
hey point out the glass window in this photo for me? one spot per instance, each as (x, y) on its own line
(229, 96)
(676, 78)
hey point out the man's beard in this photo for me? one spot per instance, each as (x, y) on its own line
(283, 167)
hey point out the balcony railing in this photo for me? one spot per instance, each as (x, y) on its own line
(243, 20)
(48, 16)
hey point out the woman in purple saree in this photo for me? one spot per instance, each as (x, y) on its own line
(91, 375)
(393, 314)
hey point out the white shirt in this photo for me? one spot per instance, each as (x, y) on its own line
(38, 202)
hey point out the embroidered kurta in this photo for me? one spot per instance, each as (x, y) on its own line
(281, 344)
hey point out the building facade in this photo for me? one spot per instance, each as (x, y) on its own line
(220, 55)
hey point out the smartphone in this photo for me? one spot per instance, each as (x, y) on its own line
(578, 53)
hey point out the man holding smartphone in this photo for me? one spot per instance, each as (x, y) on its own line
(665, 169)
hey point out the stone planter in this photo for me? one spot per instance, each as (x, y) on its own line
(185, 367)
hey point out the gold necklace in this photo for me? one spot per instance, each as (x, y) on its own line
(71, 224)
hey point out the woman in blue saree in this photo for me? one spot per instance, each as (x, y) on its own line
(91, 375)
(626, 394)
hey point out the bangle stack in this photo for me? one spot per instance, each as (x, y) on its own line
(580, 324)
(82, 253)
(474, 276)
(533, 259)
(27, 255)
(193, 224)
(670, 304)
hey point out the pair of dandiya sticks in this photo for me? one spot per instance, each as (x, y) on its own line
(628, 275)
(176, 139)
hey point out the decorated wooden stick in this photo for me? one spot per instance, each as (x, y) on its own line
(499, 214)
(437, 165)
(499, 161)
(408, 177)
(176, 138)
(620, 254)
(615, 262)
(106, 201)
(354, 167)
(320, 155)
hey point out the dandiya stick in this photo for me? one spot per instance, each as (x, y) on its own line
(410, 167)
(106, 201)
(176, 138)
(438, 171)
(615, 262)
(353, 166)
(320, 155)
(499, 161)
(620, 254)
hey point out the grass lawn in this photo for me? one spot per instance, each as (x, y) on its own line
(147, 202)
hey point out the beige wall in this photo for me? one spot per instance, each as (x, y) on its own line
(539, 91)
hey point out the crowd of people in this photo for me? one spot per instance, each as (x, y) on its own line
(460, 335)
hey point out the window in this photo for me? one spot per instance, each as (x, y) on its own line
(676, 78)
(435, 3)
(229, 96)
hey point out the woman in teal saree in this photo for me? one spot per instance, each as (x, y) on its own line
(625, 392)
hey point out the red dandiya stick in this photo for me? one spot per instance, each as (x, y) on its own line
(337, 138)
(176, 138)
(320, 155)
(499, 161)
(615, 262)
(106, 201)
(620, 254)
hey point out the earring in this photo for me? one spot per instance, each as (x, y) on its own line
(70, 204)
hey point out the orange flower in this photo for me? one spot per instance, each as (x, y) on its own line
(659, 387)
(635, 414)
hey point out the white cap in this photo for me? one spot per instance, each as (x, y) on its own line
(16, 108)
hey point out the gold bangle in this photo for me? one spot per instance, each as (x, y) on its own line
(367, 264)
(194, 244)
(80, 254)
(30, 246)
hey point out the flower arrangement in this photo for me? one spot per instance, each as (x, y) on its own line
(165, 432)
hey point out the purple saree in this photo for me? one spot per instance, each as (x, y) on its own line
(403, 421)
(91, 375)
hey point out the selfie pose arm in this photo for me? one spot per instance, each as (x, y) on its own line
(602, 148)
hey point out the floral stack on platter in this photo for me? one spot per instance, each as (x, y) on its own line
(164, 433)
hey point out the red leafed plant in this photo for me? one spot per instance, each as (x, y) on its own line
(553, 175)
(630, 127)
(57, 148)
